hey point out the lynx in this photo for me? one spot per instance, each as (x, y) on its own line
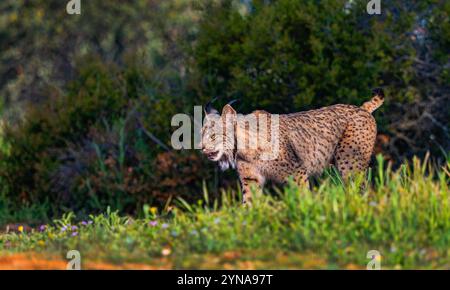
(339, 135)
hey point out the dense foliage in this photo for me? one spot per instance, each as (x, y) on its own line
(86, 101)
(292, 55)
(96, 146)
(41, 43)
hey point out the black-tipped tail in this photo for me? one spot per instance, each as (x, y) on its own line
(378, 92)
(376, 101)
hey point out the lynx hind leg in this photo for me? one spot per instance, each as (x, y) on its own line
(301, 177)
(355, 148)
(251, 180)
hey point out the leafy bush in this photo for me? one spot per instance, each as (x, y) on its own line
(89, 147)
(40, 42)
(118, 167)
(291, 55)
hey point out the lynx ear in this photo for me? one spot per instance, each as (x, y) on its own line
(227, 109)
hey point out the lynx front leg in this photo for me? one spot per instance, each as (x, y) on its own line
(250, 180)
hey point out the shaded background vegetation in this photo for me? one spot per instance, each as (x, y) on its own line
(86, 100)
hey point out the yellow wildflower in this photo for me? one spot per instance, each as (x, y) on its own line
(154, 210)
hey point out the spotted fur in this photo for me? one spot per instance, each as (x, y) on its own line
(342, 135)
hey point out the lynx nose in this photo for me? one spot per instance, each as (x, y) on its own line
(211, 154)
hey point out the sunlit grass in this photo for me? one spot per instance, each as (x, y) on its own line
(404, 215)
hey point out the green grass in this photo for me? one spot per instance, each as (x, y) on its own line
(405, 215)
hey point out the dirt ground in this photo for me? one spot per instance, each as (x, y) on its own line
(35, 261)
(228, 260)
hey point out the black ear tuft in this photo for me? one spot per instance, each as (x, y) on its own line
(209, 109)
(233, 101)
(378, 92)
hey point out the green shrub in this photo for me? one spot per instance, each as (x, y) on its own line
(292, 55)
(116, 166)
(64, 118)
(89, 147)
